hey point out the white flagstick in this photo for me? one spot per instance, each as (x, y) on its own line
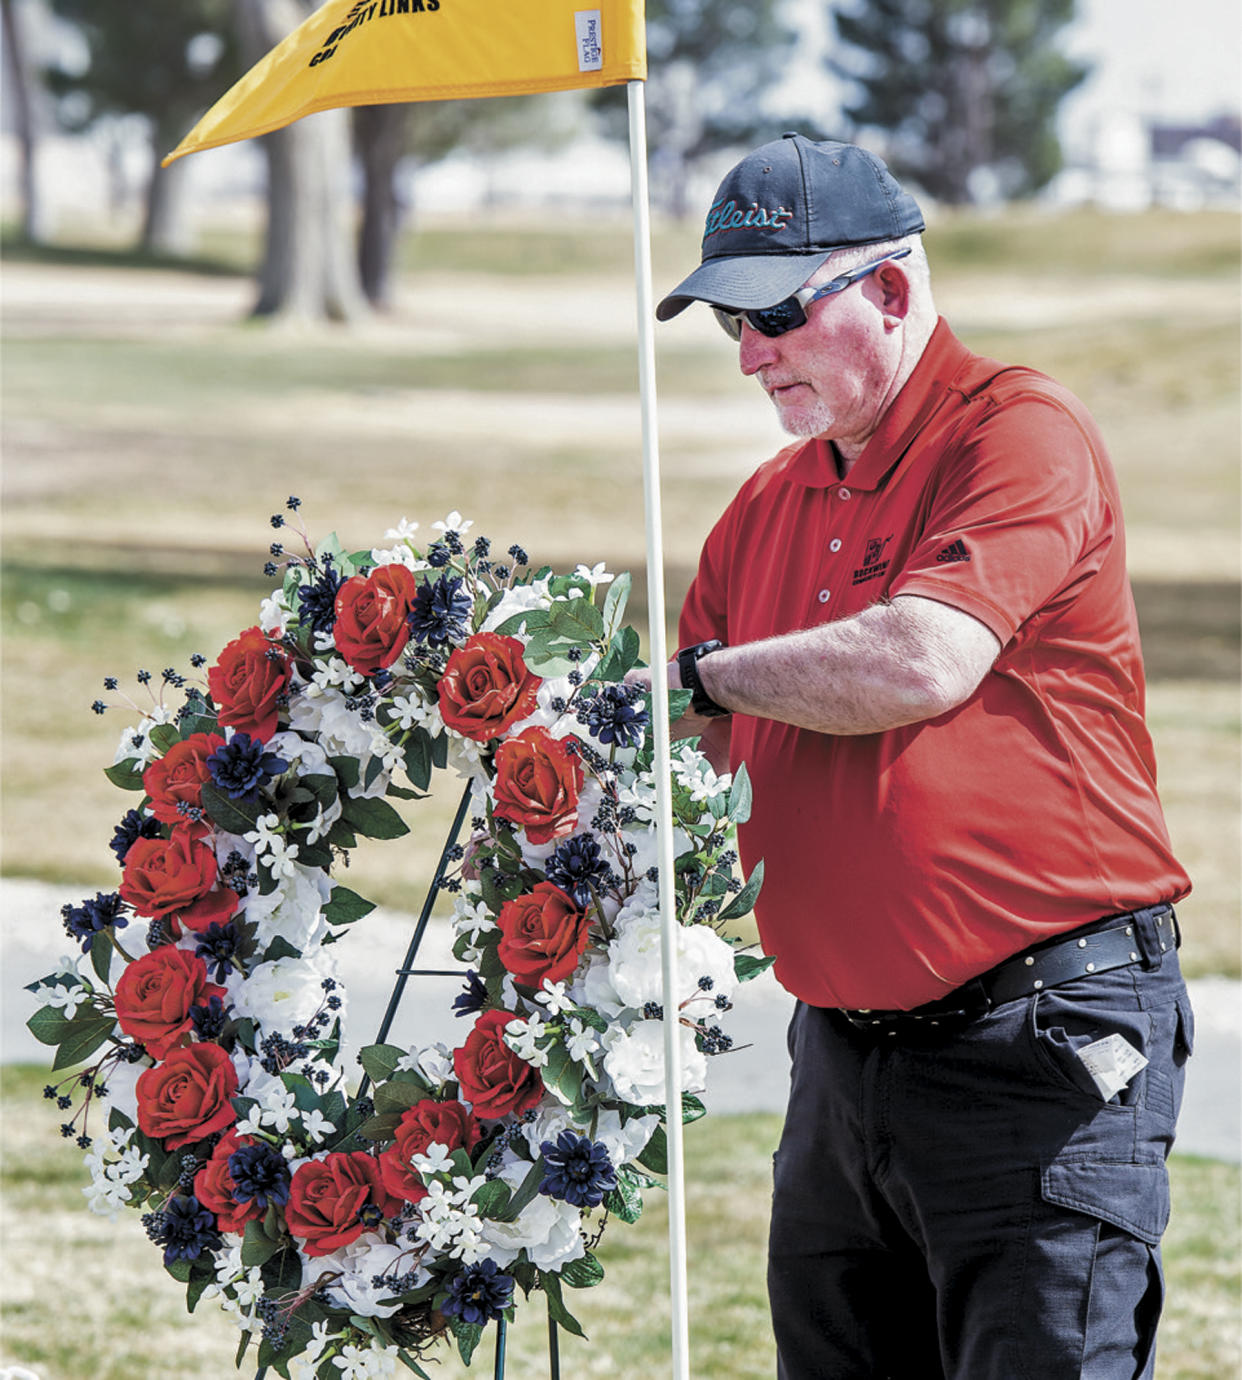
(660, 730)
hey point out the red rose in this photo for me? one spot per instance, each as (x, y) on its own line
(247, 681)
(172, 879)
(213, 1187)
(186, 1098)
(178, 777)
(155, 995)
(447, 1123)
(371, 617)
(492, 1078)
(543, 935)
(537, 784)
(327, 1199)
(486, 687)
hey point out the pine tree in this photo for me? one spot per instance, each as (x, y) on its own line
(967, 90)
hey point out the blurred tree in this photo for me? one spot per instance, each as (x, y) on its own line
(422, 134)
(166, 62)
(21, 87)
(967, 89)
(710, 64)
(309, 270)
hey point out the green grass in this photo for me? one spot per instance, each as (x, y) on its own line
(129, 1321)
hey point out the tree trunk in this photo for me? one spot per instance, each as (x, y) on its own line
(165, 228)
(33, 227)
(379, 135)
(308, 271)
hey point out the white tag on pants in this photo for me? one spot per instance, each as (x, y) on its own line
(1111, 1062)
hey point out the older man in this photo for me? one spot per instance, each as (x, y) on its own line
(915, 628)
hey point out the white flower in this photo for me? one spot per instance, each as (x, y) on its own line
(403, 531)
(596, 574)
(262, 835)
(434, 1160)
(522, 1035)
(635, 1063)
(636, 959)
(547, 1229)
(252, 1123)
(435, 1063)
(274, 614)
(519, 599)
(316, 1126)
(357, 1265)
(582, 1040)
(278, 1108)
(66, 999)
(286, 991)
(413, 711)
(454, 523)
(554, 996)
(695, 772)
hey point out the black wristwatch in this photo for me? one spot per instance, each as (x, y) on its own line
(687, 664)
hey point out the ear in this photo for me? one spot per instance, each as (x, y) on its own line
(893, 291)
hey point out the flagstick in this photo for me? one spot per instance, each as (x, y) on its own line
(660, 729)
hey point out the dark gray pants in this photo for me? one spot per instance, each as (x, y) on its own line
(971, 1208)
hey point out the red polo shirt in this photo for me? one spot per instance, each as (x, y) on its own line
(900, 864)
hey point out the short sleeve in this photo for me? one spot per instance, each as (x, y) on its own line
(1020, 511)
(704, 614)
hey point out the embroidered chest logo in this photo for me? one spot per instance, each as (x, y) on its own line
(955, 551)
(873, 565)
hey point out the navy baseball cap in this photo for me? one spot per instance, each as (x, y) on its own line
(780, 213)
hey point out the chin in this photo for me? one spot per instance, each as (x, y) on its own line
(806, 421)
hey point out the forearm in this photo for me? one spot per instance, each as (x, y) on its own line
(893, 664)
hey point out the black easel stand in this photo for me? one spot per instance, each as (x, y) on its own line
(407, 970)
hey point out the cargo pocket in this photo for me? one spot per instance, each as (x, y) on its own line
(1133, 1196)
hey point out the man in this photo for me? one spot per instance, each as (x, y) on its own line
(915, 628)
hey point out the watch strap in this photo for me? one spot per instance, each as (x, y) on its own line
(687, 664)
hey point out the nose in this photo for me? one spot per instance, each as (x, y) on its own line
(755, 350)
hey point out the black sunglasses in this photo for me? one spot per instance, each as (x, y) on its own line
(791, 313)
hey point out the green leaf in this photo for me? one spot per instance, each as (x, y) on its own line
(561, 1076)
(622, 656)
(576, 620)
(692, 1108)
(379, 1128)
(396, 1097)
(412, 1364)
(626, 1200)
(545, 655)
(748, 966)
(82, 1039)
(346, 769)
(164, 736)
(655, 1153)
(744, 902)
(125, 775)
(233, 816)
(374, 818)
(467, 1337)
(492, 1198)
(525, 1193)
(533, 619)
(101, 953)
(418, 759)
(280, 948)
(257, 1246)
(615, 602)
(345, 906)
(48, 1025)
(678, 703)
(583, 1273)
(181, 1270)
(557, 1311)
(740, 795)
(379, 1061)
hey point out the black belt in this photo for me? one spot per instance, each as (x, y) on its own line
(1116, 942)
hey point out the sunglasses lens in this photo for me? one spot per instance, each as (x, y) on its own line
(730, 323)
(784, 316)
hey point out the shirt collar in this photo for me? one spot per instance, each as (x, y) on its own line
(940, 363)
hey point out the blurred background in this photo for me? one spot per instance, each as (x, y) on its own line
(404, 310)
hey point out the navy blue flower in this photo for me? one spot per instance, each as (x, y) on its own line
(243, 766)
(260, 1175)
(479, 1293)
(209, 1021)
(217, 944)
(440, 611)
(579, 1170)
(473, 999)
(317, 598)
(615, 715)
(133, 827)
(84, 922)
(186, 1230)
(575, 866)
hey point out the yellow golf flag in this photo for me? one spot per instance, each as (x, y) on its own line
(372, 52)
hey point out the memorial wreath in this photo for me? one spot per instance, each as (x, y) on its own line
(349, 1233)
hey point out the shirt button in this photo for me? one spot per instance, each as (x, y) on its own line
(843, 493)
(825, 595)
(834, 544)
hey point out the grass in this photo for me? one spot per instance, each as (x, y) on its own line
(129, 1319)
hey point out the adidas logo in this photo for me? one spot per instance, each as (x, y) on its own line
(955, 551)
